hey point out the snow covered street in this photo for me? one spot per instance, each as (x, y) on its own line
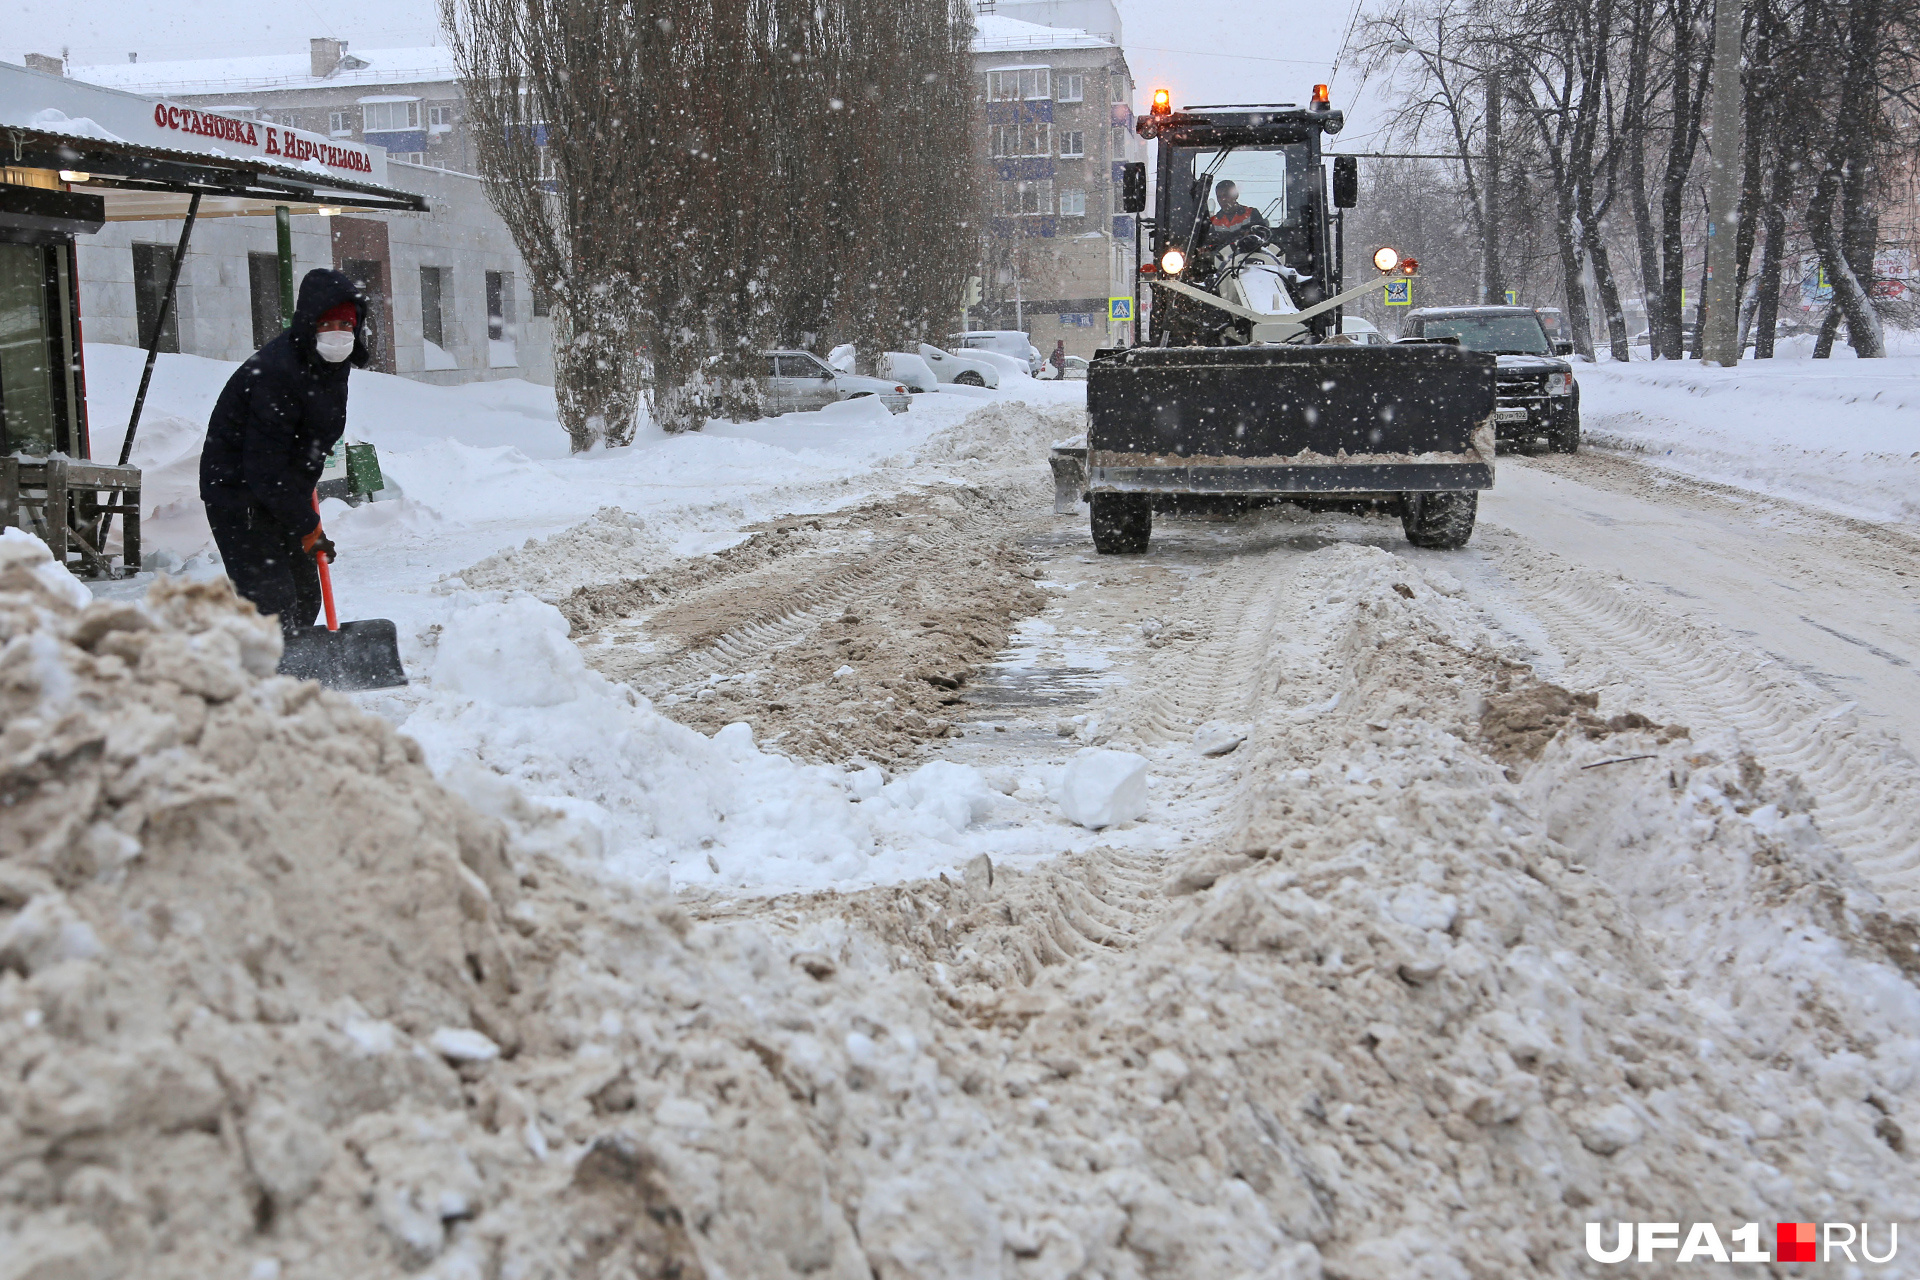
(1472, 896)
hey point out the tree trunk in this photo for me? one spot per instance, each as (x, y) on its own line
(1633, 124)
(1767, 308)
(597, 379)
(1688, 92)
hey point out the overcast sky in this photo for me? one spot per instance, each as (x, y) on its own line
(1203, 50)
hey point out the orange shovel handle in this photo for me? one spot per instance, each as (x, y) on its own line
(326, 576)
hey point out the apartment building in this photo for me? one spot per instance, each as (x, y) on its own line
(407, 101)
(1057, 124)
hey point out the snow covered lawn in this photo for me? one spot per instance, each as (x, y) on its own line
(1842, 434)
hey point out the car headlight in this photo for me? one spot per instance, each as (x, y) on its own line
(1559, 384)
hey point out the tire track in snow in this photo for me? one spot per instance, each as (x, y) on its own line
(1867, 787)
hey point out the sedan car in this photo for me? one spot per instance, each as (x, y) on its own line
(800, 382)
(963, 370)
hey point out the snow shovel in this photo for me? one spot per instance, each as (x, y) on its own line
(347, 656)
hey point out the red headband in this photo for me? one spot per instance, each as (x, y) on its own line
(346, 311)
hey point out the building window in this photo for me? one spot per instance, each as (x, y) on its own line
(408, 157)
(1020, 84)
(1073, 203)
(440, 119)
(1069, 87)
(391, 117)
(502, 321)
(1030, 138)
(433, 305)
(1073, 144)
(340, 124)
(1025, 199)
(263, 288)
(289, 119)
(152, 264)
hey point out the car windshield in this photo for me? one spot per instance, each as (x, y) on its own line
(1277, 181)
(1501, 335)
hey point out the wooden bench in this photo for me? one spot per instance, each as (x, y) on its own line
(69, 505)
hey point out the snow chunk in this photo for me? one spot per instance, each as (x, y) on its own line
(1102, 788)
(18, 547)
(956, 794)
(1216, 739)
(512, 653)
(457, 1044)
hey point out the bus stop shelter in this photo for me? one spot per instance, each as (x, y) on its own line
(74, 157)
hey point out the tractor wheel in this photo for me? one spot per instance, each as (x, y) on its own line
(1439, 521)
(1122, 523)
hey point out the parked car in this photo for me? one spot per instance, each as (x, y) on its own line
(1007, 342)
(1535, 394)
(1076, 368)
(801, 382)
(963, 370)
(908, 368)
(1358, 332)
(1009, 367)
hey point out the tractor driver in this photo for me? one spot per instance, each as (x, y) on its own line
(1235, 223)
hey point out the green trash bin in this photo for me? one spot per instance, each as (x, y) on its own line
(351, 473)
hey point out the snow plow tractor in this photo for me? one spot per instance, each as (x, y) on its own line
(1235, 397)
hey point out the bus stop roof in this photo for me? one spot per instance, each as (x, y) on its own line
(147, 158)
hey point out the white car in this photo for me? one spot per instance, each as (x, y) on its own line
(1011, 370)
(1356, 332)
(1007, 342)
(1076, 369)
(800, 382)
(908, 368)
(964, 370)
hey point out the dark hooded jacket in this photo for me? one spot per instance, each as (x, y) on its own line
(282, 412)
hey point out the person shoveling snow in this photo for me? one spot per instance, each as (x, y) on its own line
(278, 417)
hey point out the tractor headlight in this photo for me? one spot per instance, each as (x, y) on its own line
(1173, 262)
(1559, 384)
(1386, 258)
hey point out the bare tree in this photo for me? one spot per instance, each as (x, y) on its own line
(691, 182)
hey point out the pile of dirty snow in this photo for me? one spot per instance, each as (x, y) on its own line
(646, 798)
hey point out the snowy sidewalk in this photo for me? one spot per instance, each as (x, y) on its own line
(1840, 434)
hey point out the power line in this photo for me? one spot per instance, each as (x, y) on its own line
(1243, 57)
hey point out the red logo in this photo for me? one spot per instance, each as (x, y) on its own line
(1793, 1242)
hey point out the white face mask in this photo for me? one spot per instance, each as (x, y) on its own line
(333, 346)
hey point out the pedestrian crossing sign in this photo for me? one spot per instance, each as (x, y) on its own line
(1399, 293)
(1119, 309)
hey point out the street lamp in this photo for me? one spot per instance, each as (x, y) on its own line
(1492, 286)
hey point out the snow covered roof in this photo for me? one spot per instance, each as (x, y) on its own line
(272, 72)
(994, 33)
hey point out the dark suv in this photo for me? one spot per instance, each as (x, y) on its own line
(1536, 396)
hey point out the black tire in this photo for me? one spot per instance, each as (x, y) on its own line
(1565, 436)
(1122, 523)
(969, 378)
(1439, 521)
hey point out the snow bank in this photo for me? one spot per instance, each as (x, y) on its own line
(1840, 434)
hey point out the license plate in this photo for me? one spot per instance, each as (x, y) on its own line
(1510, 415)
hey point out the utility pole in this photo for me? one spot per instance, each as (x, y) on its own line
(1491, 276)
(1720, 327)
